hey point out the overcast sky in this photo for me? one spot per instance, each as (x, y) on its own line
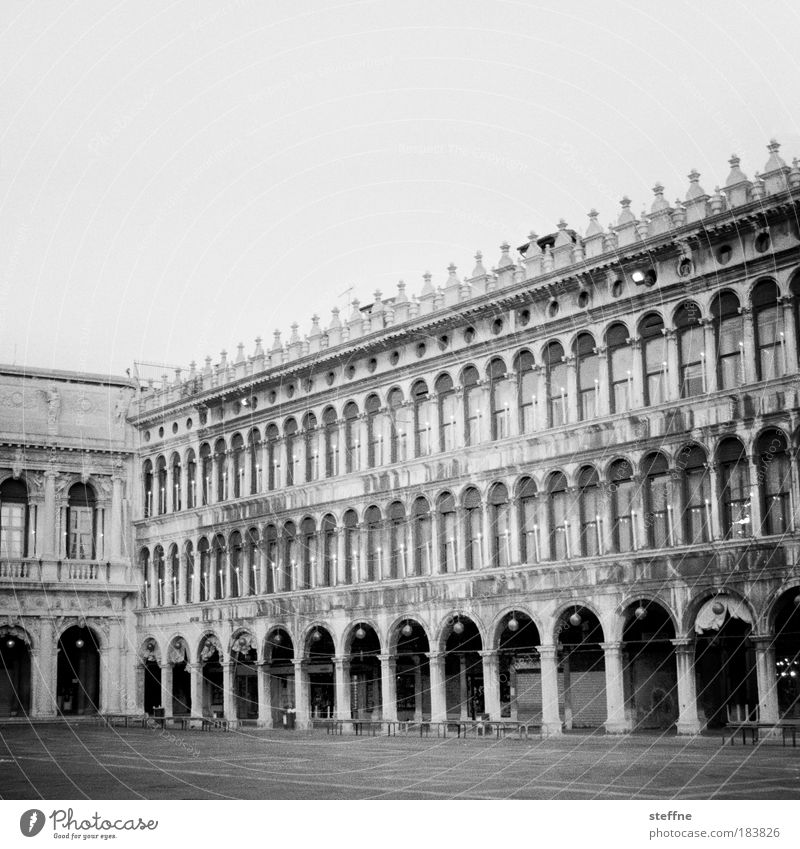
(177, 177)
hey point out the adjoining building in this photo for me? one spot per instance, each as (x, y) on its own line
(565, 490)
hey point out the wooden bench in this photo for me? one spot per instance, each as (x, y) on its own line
(214, 724)
(125, 719)
(753, 729)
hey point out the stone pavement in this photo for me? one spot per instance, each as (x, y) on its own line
(81, 761)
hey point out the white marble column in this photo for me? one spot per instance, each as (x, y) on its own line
(491, 685)
(196, 687)
(264, 694)
(342, 687)
(388, 687)
(766, 678)
(228, 696)
(551, 719)
(688, 719)
(615, 723)
(437, 686)
(166, 688)
(301, 695)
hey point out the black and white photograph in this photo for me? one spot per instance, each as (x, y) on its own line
(400, 403)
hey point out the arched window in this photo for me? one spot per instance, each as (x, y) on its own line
(218, 565)
(445, 393)
(13, 519)
(473, 536)
(657, 507)
(273, 457)
(149, 599)
(352, 551)
(398, 549)
(206, 470)
(220, 459)
(159, 575)
(237, 572)
(500, 525)
(588, 374)
(289, 439)
(161, 472)
(375, 553)
(271, 551)
(775, 476)
(735, 482)
(691, 350)
(82, 529)
(620, 368)
(623, 513)
(448, 533)
(529, 544)
(254, 449)
(770, 342)
(526, 390)
(696, 495)
(559, 523)
(172, 575)
(238, 461)
(729, 335)
(204, 553)
(175, 471)
(372, 408)
(191, 579)
(556, 380)
(289, 564)
(308, 539)
(191, 479)
(329, 422)
(654, 359)
(147, 480)
(400, 421)
(501, 397)
(472, 405)
(589, 508)
(312, 447)
(252, 575)
(422, 533)
(351, 439)
(329, 565)
(423, 437)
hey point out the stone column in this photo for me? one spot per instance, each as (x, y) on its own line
(709, 355)
(637, 390)
(183, 596)
(301, 695)
(794, 484)
(673, 387)
(341, 683)
(340, 558)
(615, 723)
(551, 720)
(432, 424)
(676, 506)
(264, 681)
(438, 692)
(196, 688)
(572, 413)
(388, 687)
(435, 553)
(789, 366)
(463, 692)
(514, 547)
(50, 547)
(573, 525)
(166, 688)
(641, 535)
(247, 478)
(766, 678)
(748, 345)
(604, 401)
(688, 719)
(115, 548)
(138, 686)
(228, 699)
(756, 517)
(606, 518)
(714, 506)
(491, 685)
(418, 690)
(542, 528)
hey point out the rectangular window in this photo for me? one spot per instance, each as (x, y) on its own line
(657, 519)
(447, 542)
(691, 348)
(12, 531)
(448, 422)
(729, 352)
(559, 528)
(736, 497)
(80, 533)
(770, 344)
(622, 378)
(623, 516)
(698, 506)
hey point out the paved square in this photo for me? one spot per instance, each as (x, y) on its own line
(91, 762)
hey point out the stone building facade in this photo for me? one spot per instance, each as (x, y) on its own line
(67, 588)
(564, 490)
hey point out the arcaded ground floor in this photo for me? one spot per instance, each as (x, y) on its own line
(83, 761)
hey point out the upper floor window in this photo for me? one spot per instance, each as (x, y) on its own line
(696, 494)
(331, 430)
(423, 437)
(237, 462)
(273, 457)
(446, 396)
(250, 585)
(290, 444)
(729, 338)
(311, 446)
(735, 483)
(352, 445)
(472, 405)
(623, 514)
(147, 480)
(556, 382)
(221, 460)
(448, 533)
(473, 523)
(400, 422)
(658, 516)
(375, 552)
(238, 575)
(204, 553)
(501, 398)
(175, 471)
(691, 350)
(526, 391)
(352, 551)
(528, 522)
(372, 409)
(256, 475)
(398, 553)
(774, 471)
(329, 551)
(589, 503)
(13, 519)
(422, 541)
(620, 368)
(500, 524)
(558, 509)
(308, 540)
(770, 341)
(161, 474)
(81, 523)
(206, 470)
(191, 479)
(588, 374)
(654, 359)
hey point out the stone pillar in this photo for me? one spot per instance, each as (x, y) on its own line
(183, 596)
(138, 686)
(573, 525)
(749, 353)
(463, 692)
(551, 720)
(606, 518)
(340, 560)
(688, 719)
(166, 688)
(615, 723)
(514, 547)
(756, 517)
(247, 478)
(432, 425)
(50, 546)
(388, 687)
(672, 390)
(709, 355)
(196, 688)
(794, 484)
(637, 390)
(640, 531)
(264, 681)
(714, 505)
(572, 413)
(676, 506)
(115, 548)
(418, 690)
(767, 680)
(301, 695)
(434, 557)
(341, 683)
(437, 685)
(604, 401)
(228, 699)
(491, 685)
(789, 335)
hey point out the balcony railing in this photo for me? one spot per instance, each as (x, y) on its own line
(65, 571)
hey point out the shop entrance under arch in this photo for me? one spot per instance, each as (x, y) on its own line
(15, 674)
(78, 673)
